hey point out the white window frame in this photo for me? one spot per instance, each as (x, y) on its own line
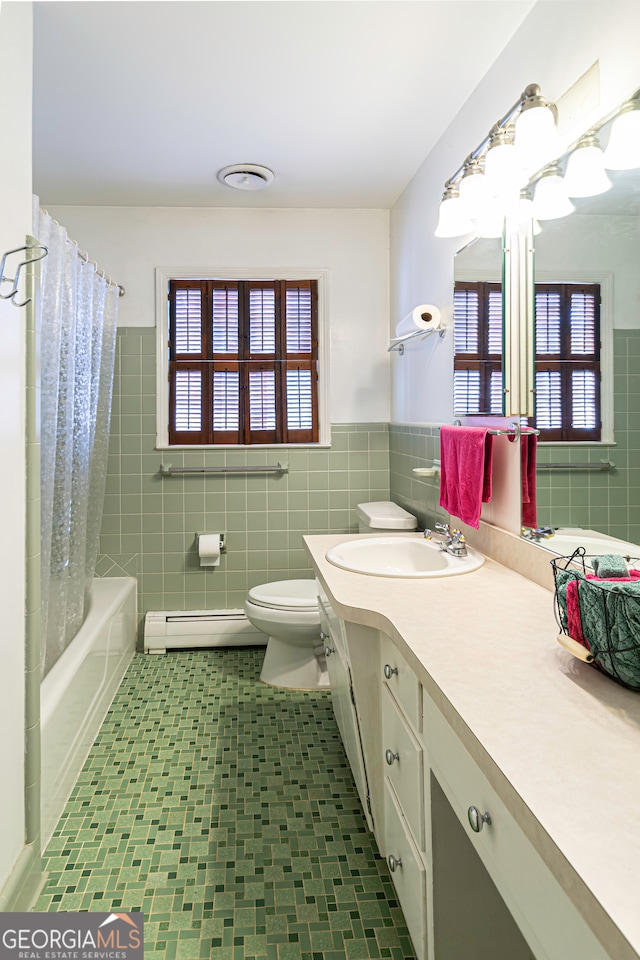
(164, 275)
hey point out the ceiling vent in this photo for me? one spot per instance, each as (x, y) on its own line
(246, 176)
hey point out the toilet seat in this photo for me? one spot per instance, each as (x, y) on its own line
(295, 595)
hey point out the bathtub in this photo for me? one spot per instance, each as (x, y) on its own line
(567, 539)
(78, 690)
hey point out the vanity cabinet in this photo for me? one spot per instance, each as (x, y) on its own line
(462, 681)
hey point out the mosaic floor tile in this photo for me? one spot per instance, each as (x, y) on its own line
(225, 811)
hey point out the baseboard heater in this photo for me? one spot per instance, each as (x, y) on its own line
(185, 629)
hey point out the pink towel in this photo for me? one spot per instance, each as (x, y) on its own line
(528, 446)
(466, 455)
(574, 620)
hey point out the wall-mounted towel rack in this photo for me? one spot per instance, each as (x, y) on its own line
(166, 470)
(15, 280)
(600, 465)
(513, 430)
(397, 343)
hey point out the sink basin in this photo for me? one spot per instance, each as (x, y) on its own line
(401, 557)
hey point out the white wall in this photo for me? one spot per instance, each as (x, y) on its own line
(15, 223)
(590, 246)
(353, 245)
(556, 44)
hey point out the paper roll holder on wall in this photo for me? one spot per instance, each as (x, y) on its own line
(223, 542)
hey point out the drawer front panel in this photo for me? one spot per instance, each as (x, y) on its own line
(409, 875)
(406, 769)
(401, 681)
(548, 920)
(330, 624)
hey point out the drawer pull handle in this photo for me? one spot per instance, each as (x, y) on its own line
(389, 671)
(328, 651)
(394, 862)
(390, 756)
(477, 820)
(323, 635)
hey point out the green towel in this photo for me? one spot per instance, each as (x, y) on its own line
(562, 578)
(610, 565)
(610, 617)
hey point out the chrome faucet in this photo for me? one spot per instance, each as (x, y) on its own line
(540, 533)
(454, 542)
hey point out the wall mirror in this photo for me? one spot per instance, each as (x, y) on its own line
(478, 328)
(591, 480)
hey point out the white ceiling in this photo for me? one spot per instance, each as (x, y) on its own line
(141, 103)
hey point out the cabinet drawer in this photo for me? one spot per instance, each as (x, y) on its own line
(407, 871)
(402, 755)
(401, 681)
(548, 920)
(330, 624)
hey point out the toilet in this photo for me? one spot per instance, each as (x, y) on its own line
(288, 612)
(383, 515)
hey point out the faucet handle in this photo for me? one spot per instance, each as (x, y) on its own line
(444, 527)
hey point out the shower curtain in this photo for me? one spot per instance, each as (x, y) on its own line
(78, 314)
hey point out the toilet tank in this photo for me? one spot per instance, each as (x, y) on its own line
(383, 515)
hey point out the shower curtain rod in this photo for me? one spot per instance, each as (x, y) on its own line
(87, 259)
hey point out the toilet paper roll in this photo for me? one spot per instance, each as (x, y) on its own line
(423, 317)
(209, 549)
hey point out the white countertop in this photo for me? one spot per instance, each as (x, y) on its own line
(559, 741)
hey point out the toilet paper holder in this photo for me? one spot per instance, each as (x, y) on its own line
(222, 548)
(223, 540)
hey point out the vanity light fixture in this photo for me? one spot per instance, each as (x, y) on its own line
(505, 161)
(623, 149)
(585, 174)
(550, 200)
(453, 220)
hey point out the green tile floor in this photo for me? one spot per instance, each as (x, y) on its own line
(225, 811)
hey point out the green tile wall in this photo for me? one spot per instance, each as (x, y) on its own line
(415, 445)
(150, 522)
(607, 501)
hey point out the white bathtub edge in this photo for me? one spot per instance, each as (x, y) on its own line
(77, 692)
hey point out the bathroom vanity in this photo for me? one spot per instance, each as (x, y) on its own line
(500, 776)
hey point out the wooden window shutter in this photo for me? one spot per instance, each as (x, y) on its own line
(477, 377)
(568, 361)
(243, 361)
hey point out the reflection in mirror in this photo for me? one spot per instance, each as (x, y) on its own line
(478, 329)
(592, 484)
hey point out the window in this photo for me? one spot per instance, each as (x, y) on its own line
(568, 361)
(243, 358)
(477, 376)
(567, 318)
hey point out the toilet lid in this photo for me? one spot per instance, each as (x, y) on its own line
(290, 594)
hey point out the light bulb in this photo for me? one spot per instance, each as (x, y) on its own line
(585, 176)
(474, 190)
(535, 131)
(550, 200)
(623, 149)
(453, 220)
